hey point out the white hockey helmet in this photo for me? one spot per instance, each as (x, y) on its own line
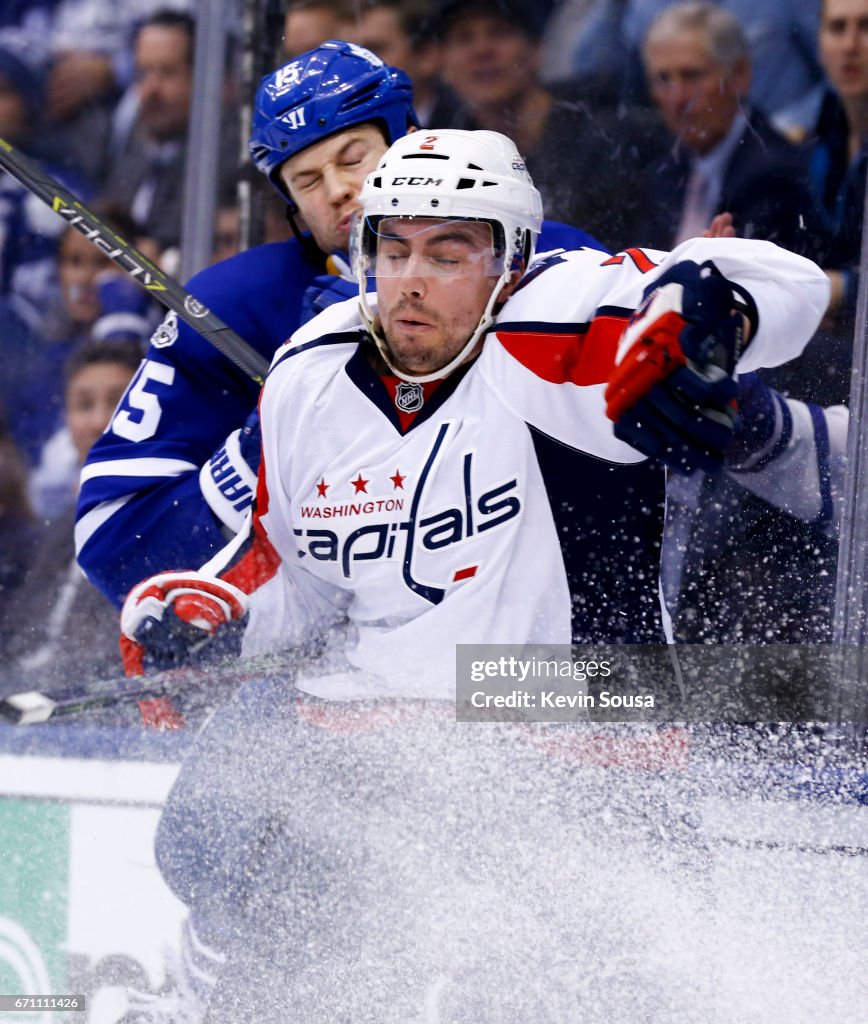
(450, 174)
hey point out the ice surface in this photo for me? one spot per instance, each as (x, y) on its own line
(409, 869)
(421, 871)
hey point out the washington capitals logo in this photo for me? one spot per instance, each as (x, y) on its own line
(409, 397)
(404, 538)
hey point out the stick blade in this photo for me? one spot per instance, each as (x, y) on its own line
(27, 708)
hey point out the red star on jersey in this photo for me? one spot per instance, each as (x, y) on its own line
(360, 484)
(398, 480)
(321, 488)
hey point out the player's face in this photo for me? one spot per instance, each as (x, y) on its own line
(488, 60)
(697, 97)
(434, 279)
(844, 46)
(164, 80)
(92, 396)
(325, 180)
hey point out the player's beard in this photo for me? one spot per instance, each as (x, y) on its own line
(437, 345)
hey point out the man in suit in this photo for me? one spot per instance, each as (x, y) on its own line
(146, 175)
(725, 156)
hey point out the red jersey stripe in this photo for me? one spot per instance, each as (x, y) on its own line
(581, 359)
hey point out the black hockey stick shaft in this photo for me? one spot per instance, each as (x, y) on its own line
(128, 258)
(30, 707)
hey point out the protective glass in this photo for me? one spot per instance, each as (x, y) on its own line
(390, 247)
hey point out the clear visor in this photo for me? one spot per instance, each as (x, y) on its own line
(427, 247)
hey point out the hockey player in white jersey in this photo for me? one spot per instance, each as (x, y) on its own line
(400, 494)
(402, 509)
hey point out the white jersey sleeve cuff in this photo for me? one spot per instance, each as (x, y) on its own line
(228, 483)
(805, 478)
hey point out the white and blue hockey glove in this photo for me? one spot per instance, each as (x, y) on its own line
(228, 478)
(672, 394)
(337, 285)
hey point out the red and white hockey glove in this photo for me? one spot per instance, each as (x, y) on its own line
(174, 619)
(672, 392)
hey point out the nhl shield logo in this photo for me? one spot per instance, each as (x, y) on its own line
(409, 397)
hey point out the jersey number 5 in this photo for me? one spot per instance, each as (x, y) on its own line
(140, 411)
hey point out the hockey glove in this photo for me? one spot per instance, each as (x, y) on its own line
(672, 393)
(180, 618)
(337, 285)
(764, 427)
(228, 478)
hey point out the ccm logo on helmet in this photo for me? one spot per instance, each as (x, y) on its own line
(417, 181)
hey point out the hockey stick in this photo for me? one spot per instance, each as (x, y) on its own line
(31, 707)
(128, 258)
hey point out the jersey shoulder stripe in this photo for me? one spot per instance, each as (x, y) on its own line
(290, 350)
(581, 354)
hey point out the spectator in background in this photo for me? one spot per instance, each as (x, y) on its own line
(19, 531)
(399, 33)
(840, 156)
(146, 176)
(58, 626)
(227, 219)
(584, 161)
(29, 231)
(608, 39)
(90, 43)
(308, 23)
(98, 302)
(725, 155)
(838, 144)
(88, 98)
(33, 15)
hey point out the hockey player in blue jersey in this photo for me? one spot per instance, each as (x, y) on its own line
(174, 474)
(414, 516)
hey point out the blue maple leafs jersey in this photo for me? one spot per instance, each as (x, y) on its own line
(141, 506)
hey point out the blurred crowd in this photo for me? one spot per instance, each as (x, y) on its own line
(641, 122)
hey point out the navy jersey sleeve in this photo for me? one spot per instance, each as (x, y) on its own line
(141, 507)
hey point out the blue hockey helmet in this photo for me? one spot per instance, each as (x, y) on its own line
(335, 86)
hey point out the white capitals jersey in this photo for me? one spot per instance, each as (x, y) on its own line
(444, 534)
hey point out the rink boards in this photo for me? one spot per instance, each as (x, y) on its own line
(79, 888)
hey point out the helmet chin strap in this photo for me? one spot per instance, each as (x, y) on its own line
(485, 323)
